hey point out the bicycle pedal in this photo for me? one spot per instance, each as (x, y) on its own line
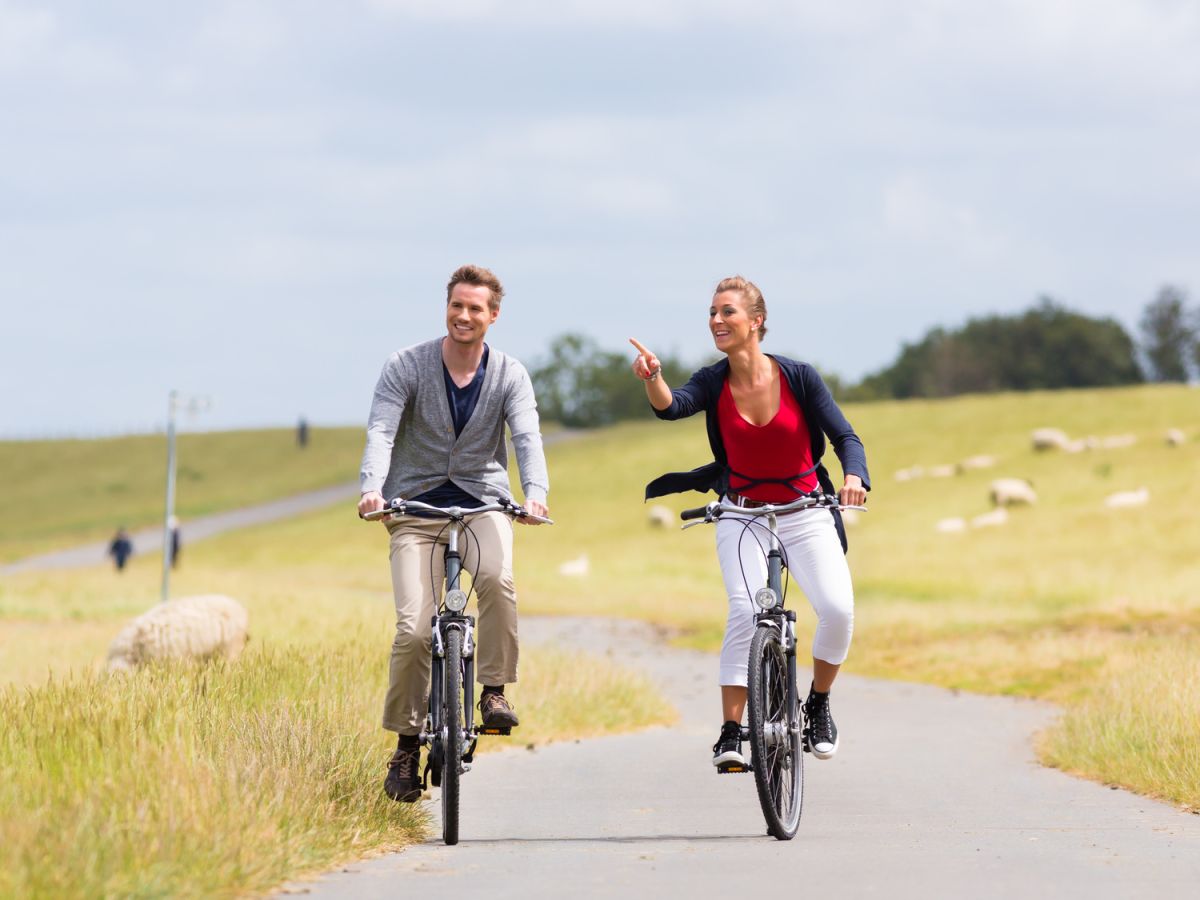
(505, 731)
(732, 769)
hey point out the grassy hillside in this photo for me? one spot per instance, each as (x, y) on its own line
(60, 493)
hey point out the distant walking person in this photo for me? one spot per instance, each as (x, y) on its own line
(176, 541)
(302, 433)
(121, 548)
(436, 434)
(767, 419)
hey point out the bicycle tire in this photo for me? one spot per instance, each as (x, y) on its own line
(452, 740)
(778, 760)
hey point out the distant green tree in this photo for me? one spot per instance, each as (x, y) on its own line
(1046, 347)
(583, 386)
(1169, 336)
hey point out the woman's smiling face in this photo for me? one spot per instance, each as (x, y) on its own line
(730, 321)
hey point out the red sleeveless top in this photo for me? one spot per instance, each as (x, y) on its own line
(778, 451)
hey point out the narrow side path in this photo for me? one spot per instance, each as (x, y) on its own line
(149, 540)
(933, 794)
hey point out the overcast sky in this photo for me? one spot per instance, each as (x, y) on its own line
(258, 201)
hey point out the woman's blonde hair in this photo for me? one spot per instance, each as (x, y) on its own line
(754, 299)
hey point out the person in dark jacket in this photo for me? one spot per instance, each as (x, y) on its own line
(121, 548)
(768, 418)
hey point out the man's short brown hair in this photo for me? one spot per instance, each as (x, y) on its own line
(480, 277)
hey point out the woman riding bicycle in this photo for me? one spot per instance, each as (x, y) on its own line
(767, 419)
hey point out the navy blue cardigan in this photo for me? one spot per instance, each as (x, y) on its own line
(821, 414)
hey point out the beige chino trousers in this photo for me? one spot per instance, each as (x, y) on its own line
(418, 576)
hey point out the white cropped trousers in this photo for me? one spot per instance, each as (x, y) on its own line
(813, 556)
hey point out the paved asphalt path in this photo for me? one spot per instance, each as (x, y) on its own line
(933, 794)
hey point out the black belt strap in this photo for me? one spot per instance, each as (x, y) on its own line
(757, 482)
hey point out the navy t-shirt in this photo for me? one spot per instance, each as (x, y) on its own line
(462, 405)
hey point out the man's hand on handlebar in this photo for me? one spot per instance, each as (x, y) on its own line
(371, 501)
(537, 509)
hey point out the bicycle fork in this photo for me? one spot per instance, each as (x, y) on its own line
(440, 624)
(785, 621)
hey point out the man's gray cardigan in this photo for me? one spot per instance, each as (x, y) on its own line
(411, 447)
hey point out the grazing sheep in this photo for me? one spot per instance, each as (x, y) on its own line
(190, 627)
(1175, 437)
(1079, 445)
(976, 462)
(1126, 499)
(998, 516)
(1012, 492)
(1118, 441)
(952, 526)
(910, 474)
(1049, 439)
(943, 471)
(660, 517)
(575, 568)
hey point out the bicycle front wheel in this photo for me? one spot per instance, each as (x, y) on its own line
(775, 734)
(452, 734)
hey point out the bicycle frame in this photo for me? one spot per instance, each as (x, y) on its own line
(777, 730)
(452, 639)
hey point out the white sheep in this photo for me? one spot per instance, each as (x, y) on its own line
(1118, 441)
(660, 516)
(1126, 499)
(190, 627)
(575, 568)
(955, 525)
(998, 516)
(910, 474)
(1012, 492)
(943, 471)
(1049, 439)
(977, 462)
(1175, 437)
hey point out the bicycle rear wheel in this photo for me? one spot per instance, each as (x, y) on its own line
(452, 735)
(775, 734)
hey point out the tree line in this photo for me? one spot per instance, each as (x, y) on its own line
(1046, 347)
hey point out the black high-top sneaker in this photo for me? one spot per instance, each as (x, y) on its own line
(728, 748)
(821, 732)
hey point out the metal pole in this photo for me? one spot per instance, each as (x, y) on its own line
(170, 507)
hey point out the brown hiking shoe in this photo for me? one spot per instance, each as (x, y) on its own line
(497, 713)
(402, 783)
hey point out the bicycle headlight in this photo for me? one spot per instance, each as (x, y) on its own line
(456, 600)
(766, 598)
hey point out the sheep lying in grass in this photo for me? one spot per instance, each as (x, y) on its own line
(188, 628)
(1049, 439)
(1012, 492)
(660, 517)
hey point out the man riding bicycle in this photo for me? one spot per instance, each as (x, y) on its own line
(436, 434)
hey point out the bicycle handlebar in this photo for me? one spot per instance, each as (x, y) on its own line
(399, 507)
(712, 511)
